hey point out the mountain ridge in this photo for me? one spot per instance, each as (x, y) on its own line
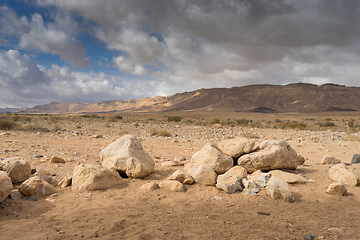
(296, 97)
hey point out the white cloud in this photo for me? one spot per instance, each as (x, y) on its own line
(56, 37)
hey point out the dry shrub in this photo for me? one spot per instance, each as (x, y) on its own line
(163, 133)
(7, 124)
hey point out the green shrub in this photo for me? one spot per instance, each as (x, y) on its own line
(89, 116)
(326, 124)
(174, 118)
(243, 121)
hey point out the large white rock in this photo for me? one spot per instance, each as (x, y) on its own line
(273, 154)
(231, 181)
(94, 177)
(340, 173)
(18, 169)
(203, 174)
(212, 156)
(36, 186)
(237, 146)
(278, 189)
(127, 156)
(5, 185)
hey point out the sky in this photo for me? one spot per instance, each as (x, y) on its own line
(92, 51)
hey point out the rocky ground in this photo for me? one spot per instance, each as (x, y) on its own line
(202, 212)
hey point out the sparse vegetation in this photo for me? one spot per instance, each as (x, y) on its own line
(7, 124)
(163, 133)
(174, 118)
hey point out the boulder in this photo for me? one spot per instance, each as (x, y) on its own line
(231, 181)
(182, 176)
(212, 156)
(149, 186)
(36, 186)
(127, 156)
(173, 185)
(94, 177)
(18, 169)
(291, 178)
(272, 154)
(237, 147)
(5, 185)
(57, 160)
(327, 159)
(278, 189)
(340, 173)
(204, 175)
(337, 188)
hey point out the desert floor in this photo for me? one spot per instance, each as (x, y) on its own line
(202, 212)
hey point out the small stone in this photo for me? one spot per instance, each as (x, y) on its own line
(203, 175)
(327, 159)
(182, 177)
(38, 156)
(355, 158)
(57, 160)
(16, 195)
(173, 185)
(340, 173)
(66, 181)
(149, 186)
(5, 185)
(278, 189)
(337, 188)
(36, 186)
(309, 237)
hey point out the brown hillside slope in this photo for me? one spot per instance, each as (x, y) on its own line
(299, 97)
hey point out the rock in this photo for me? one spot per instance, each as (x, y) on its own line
(237, 147)
(57, 160)
(337, 188)
(212, 156)
(15, 195)
(278, 189)
(327, 159)
(5, 185)
(38, 156)
(36, 186)
(273, 154)
(64, 182)
(340, 173)
(173, 185)
(231, 181)
(94, 177)
(291, 178)
(204, 175)
(255, 182)
(18, 169)
(127, 156)
(355, 158)
(149, 186)
(182, 176)
(260, 178)
(50, 180)
(308, 236)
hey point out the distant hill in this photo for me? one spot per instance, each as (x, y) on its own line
(298, 97)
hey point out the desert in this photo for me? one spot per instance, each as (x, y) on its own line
(137, 208)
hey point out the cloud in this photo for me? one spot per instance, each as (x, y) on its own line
(164, 47)
(56, 37)
(23, 83)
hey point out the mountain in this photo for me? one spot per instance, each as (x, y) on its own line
(298, 97)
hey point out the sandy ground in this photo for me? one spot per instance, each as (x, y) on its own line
(202, 212)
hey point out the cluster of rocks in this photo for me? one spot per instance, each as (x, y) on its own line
(238, 164)
(18, 171)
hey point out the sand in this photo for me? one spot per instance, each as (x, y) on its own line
(202, 212)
